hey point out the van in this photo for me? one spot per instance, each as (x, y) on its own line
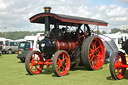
(8, 45)
(38, 37)
(23, 49)
(29, 45)
(118, 37)
(0, 50)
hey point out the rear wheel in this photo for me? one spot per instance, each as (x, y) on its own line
(92, 53)
(61, 63)
(9, 51)
(116, 69)
(34, 62)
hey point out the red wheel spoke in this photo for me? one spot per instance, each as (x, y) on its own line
(58, 67)
(95, 42)
(63, 58)
(116, 65)
(31, 67)
(97, 48)
(81, 36)
(58, 63)
(90, 54)
(91, 50)
(58, 59)
(93, 46)
(35, 68)
(63, 68)
(40, 63)
(91, 58)
(118, 58)
(92, 63)
(118, 73)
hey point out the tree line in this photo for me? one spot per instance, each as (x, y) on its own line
(18, 34)
(21, 34)
(114, 30)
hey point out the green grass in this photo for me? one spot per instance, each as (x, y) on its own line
(13, 72)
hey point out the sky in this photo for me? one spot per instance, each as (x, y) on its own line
(15, 14)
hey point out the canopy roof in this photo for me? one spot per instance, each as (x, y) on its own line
(66, 19)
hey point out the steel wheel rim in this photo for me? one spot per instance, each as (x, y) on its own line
(96, 53)
(34, 65)
(62, 63)
(118, 69)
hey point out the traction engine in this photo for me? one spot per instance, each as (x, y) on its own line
(67, 42)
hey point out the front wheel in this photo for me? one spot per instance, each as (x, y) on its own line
(116, 69)
(92, 53)
(61, 63)
(34, 62)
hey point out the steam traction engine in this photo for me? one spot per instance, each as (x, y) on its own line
(118, 63)
(67, 42)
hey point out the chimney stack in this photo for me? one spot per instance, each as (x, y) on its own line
(47, 21)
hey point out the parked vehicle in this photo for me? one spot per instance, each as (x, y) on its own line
(23, 49)
(8, 45)
(29, 45)
(30, 38)
(39, 36)
(20, 40)
(117, 39)
(0, 50)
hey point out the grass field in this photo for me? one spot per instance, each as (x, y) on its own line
(13, 72)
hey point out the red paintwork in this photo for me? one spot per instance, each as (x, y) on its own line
(120, 66)
(124, 65)
(66, 45)
(96, 60)
(34, 64)
(62, 58)
(47, 62)
(37, 63)
(31, 49)
(83, 22)
(81, 38)
(66, 19)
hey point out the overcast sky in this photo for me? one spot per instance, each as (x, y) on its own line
(15, 14)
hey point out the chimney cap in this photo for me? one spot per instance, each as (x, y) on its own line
(47, 8)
